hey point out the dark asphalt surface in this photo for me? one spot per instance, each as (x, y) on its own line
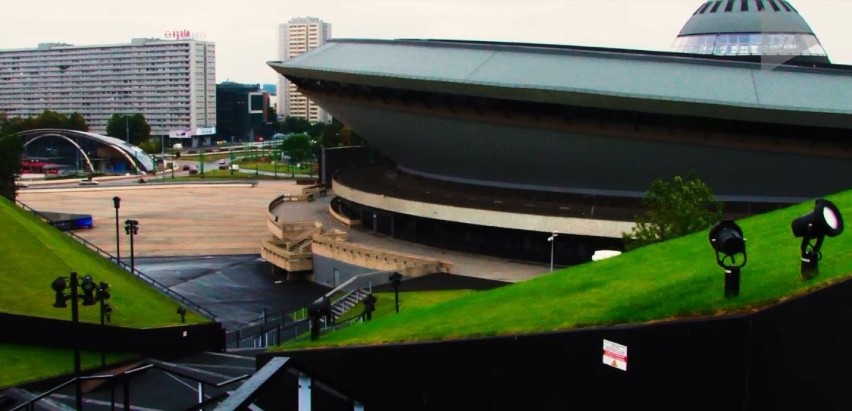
(237, 288)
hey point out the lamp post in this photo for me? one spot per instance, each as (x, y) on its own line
(59, 285)
(552, 240)
(395, 279)
(131, 228)
(116, 202)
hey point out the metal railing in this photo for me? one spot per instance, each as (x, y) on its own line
(152, 282)
(274, 328)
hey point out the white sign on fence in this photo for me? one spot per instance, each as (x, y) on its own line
(615, 355)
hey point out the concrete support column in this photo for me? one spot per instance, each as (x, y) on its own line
(304, 392)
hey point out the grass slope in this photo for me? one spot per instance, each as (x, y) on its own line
(34, 254)
(670, 280)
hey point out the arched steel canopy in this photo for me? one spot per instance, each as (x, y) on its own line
(133, 154)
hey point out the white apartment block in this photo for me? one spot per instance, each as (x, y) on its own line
(170, 82)
(294, 38)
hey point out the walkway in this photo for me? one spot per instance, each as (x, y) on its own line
(202, 220)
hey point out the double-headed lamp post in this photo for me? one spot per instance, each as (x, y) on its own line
(131, 228)
(88, 286)
(116, 202)
(552, 239)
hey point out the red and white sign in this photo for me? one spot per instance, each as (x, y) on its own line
(615, 355)
(178, 35)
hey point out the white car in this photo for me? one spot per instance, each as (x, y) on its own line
(88, 182)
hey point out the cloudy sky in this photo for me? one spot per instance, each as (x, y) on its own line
(245, 30)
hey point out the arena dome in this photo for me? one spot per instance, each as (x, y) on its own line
(749, 28)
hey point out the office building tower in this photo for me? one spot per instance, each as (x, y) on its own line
(172, 82)
(295, 37)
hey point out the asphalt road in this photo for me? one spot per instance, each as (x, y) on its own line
(236, 288)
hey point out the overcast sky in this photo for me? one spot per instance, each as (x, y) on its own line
(245, 30)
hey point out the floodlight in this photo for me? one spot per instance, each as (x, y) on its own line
(317, 309)
(369, 306)
(59, 287)
(88, 285)
(726, 237)
(824, 220)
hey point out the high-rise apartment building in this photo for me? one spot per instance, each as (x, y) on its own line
(294, 38)
(170, 82)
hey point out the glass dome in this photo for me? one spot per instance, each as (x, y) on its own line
(749, 28)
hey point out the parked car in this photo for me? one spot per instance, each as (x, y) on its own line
(88, 182)
(193, 170)
(185, 167)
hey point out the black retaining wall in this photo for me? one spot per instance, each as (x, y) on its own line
(791, 356)
(161, 342)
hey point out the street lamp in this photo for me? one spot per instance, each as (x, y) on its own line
(59, 285)
(116, 202)
(131, 228)
(551, 240)
(395, 279)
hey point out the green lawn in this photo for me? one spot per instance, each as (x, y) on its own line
(35, 253)
(23, 364)
(671, 280)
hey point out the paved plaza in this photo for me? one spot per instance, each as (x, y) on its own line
(228, 219)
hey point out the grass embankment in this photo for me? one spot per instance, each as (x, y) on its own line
(671, 280)
(33, 255)
(23, 364)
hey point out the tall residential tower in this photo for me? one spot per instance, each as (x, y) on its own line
(294, 38)
(170, 82)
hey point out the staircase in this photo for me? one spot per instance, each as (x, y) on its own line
(343, 305)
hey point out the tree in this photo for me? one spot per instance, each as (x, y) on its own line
(11, 148)
(294, 125)
(76, 122)
(119, 124)
(674, 209)
(298, 146)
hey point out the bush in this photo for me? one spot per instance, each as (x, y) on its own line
(674, 209)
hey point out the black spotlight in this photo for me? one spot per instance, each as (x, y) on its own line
(825, 220)
(182, 313)
(88, 285)
(369, 307)
(726, 237)
(59, 285)
(317, 309)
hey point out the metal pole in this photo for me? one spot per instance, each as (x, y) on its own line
(126, 128)
(116, 202)
(552, 240)
(132, 262)
(103, 355)
(75, 320)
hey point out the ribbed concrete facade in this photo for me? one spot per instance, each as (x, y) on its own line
(170, 82)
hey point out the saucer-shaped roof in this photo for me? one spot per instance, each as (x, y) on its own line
(746, 16)
(746, 28)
